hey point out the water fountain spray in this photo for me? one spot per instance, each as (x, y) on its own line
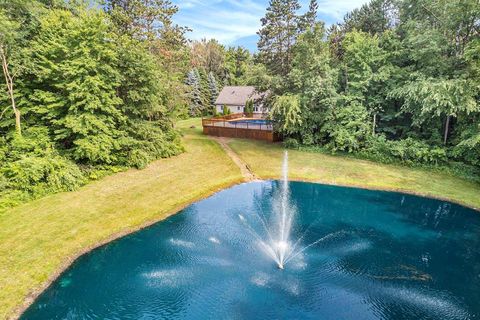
(276, 239)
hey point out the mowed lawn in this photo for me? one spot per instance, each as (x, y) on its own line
(265, 159)
(41, 237)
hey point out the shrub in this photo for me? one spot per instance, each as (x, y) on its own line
(148, 141)
(226, 110)
(249, 107)
(30, 166)
(407, 151)
(347, 127)
(291, 143)
(43, 174)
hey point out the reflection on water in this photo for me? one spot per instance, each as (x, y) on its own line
(385, 256)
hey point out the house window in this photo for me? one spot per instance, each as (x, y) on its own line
(238, 108)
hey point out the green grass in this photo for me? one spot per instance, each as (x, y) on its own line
(41, 237)
(265, 160)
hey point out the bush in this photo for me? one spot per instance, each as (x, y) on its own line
(347, 128)
(226, 110)
(407, 151)
(43, 174)
(291, 143)
(249, 107)
(30, 166)
(148, 141)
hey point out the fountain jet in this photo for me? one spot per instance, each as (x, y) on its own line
(276, 242)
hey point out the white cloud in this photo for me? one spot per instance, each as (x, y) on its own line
(338, 8)
(230, 20)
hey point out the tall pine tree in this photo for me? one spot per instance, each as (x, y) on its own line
(280, 28)
(213, 88)
(309, 19)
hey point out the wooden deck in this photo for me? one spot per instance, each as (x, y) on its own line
(228, 127)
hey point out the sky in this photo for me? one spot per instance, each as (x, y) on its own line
(235, 22)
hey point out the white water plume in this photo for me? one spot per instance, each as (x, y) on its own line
(276, 239)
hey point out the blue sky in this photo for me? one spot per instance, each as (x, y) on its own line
(235, 22)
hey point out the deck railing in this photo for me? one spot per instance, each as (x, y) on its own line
(226, 126)
(236, 124)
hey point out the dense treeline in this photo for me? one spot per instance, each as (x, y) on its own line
(395, 81)
(95, 88)
(89, 90)
(214, 66)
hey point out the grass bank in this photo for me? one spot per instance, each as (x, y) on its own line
(39, 239)
(265, 160)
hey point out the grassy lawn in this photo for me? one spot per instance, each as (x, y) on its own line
(265, 160)
(41, 237)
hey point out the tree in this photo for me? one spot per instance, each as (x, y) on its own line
(212, 86)
(76, 82)
(286, 114)
(145, 19)
(347, 126)
(195, 94)
(314, 81)
(375, 17)
(237, 63)
(309, 19)
(446, 98)
(366, 71)
(9, 32)
(280, 28)
(209, 56)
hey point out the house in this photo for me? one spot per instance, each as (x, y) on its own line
(235, 98)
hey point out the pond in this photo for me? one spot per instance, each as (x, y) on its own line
(382, 255)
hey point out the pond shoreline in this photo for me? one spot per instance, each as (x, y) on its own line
(72, 259)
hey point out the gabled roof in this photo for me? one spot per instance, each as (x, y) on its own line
(238, 95)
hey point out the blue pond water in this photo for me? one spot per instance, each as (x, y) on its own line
(388, 256)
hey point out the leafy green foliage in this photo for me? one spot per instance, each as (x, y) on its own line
(347, 127)
(287, 114)
(226, 111)
(408, 151)
(94, 100)
(249, 107)
(76, 85)
(31, 167)
(396, 81)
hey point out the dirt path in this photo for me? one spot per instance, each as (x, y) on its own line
(244, 168)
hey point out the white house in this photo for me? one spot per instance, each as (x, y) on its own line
(235, 98)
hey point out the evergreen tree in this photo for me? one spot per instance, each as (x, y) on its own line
(204, 89)
(280, 28)
(309, 19)
(195, 94)
(237, 62)
(212, 86)
(146, 20)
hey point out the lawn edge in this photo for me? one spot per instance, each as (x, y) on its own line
(35, 293)
(373, 188)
